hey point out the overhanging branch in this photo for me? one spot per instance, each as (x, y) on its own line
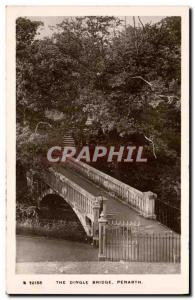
(153, 146)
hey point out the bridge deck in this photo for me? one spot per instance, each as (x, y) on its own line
(116, 209)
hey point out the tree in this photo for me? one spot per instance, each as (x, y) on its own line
(127, 80)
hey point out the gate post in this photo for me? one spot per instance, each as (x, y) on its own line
(96, 213)
(102, 237)
(104, 200)
(149, 211)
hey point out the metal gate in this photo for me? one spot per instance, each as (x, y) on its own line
(123, 241)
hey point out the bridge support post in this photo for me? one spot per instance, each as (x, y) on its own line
(96, 213)
(102, 237)
(149, 211)
(104, 199)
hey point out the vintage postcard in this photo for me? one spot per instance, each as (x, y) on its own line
(97, 150)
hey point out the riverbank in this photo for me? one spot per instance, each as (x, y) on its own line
(59, 229)
(122, 267)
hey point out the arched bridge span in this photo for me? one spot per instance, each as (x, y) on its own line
(87, 190)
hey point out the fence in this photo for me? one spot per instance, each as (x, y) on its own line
(168, 215)
(123, 241)
(51, 222)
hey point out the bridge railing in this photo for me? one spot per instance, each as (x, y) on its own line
(85, 203)
(70, 190)
(143, 202)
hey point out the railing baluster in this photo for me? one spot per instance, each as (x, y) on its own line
(170, 242)
(156, 248)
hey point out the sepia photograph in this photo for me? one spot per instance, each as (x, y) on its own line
(98, 142)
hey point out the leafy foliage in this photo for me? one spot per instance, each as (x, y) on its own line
(128, 80)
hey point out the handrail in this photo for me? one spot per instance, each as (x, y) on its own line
(76, 188)
(143, 202)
